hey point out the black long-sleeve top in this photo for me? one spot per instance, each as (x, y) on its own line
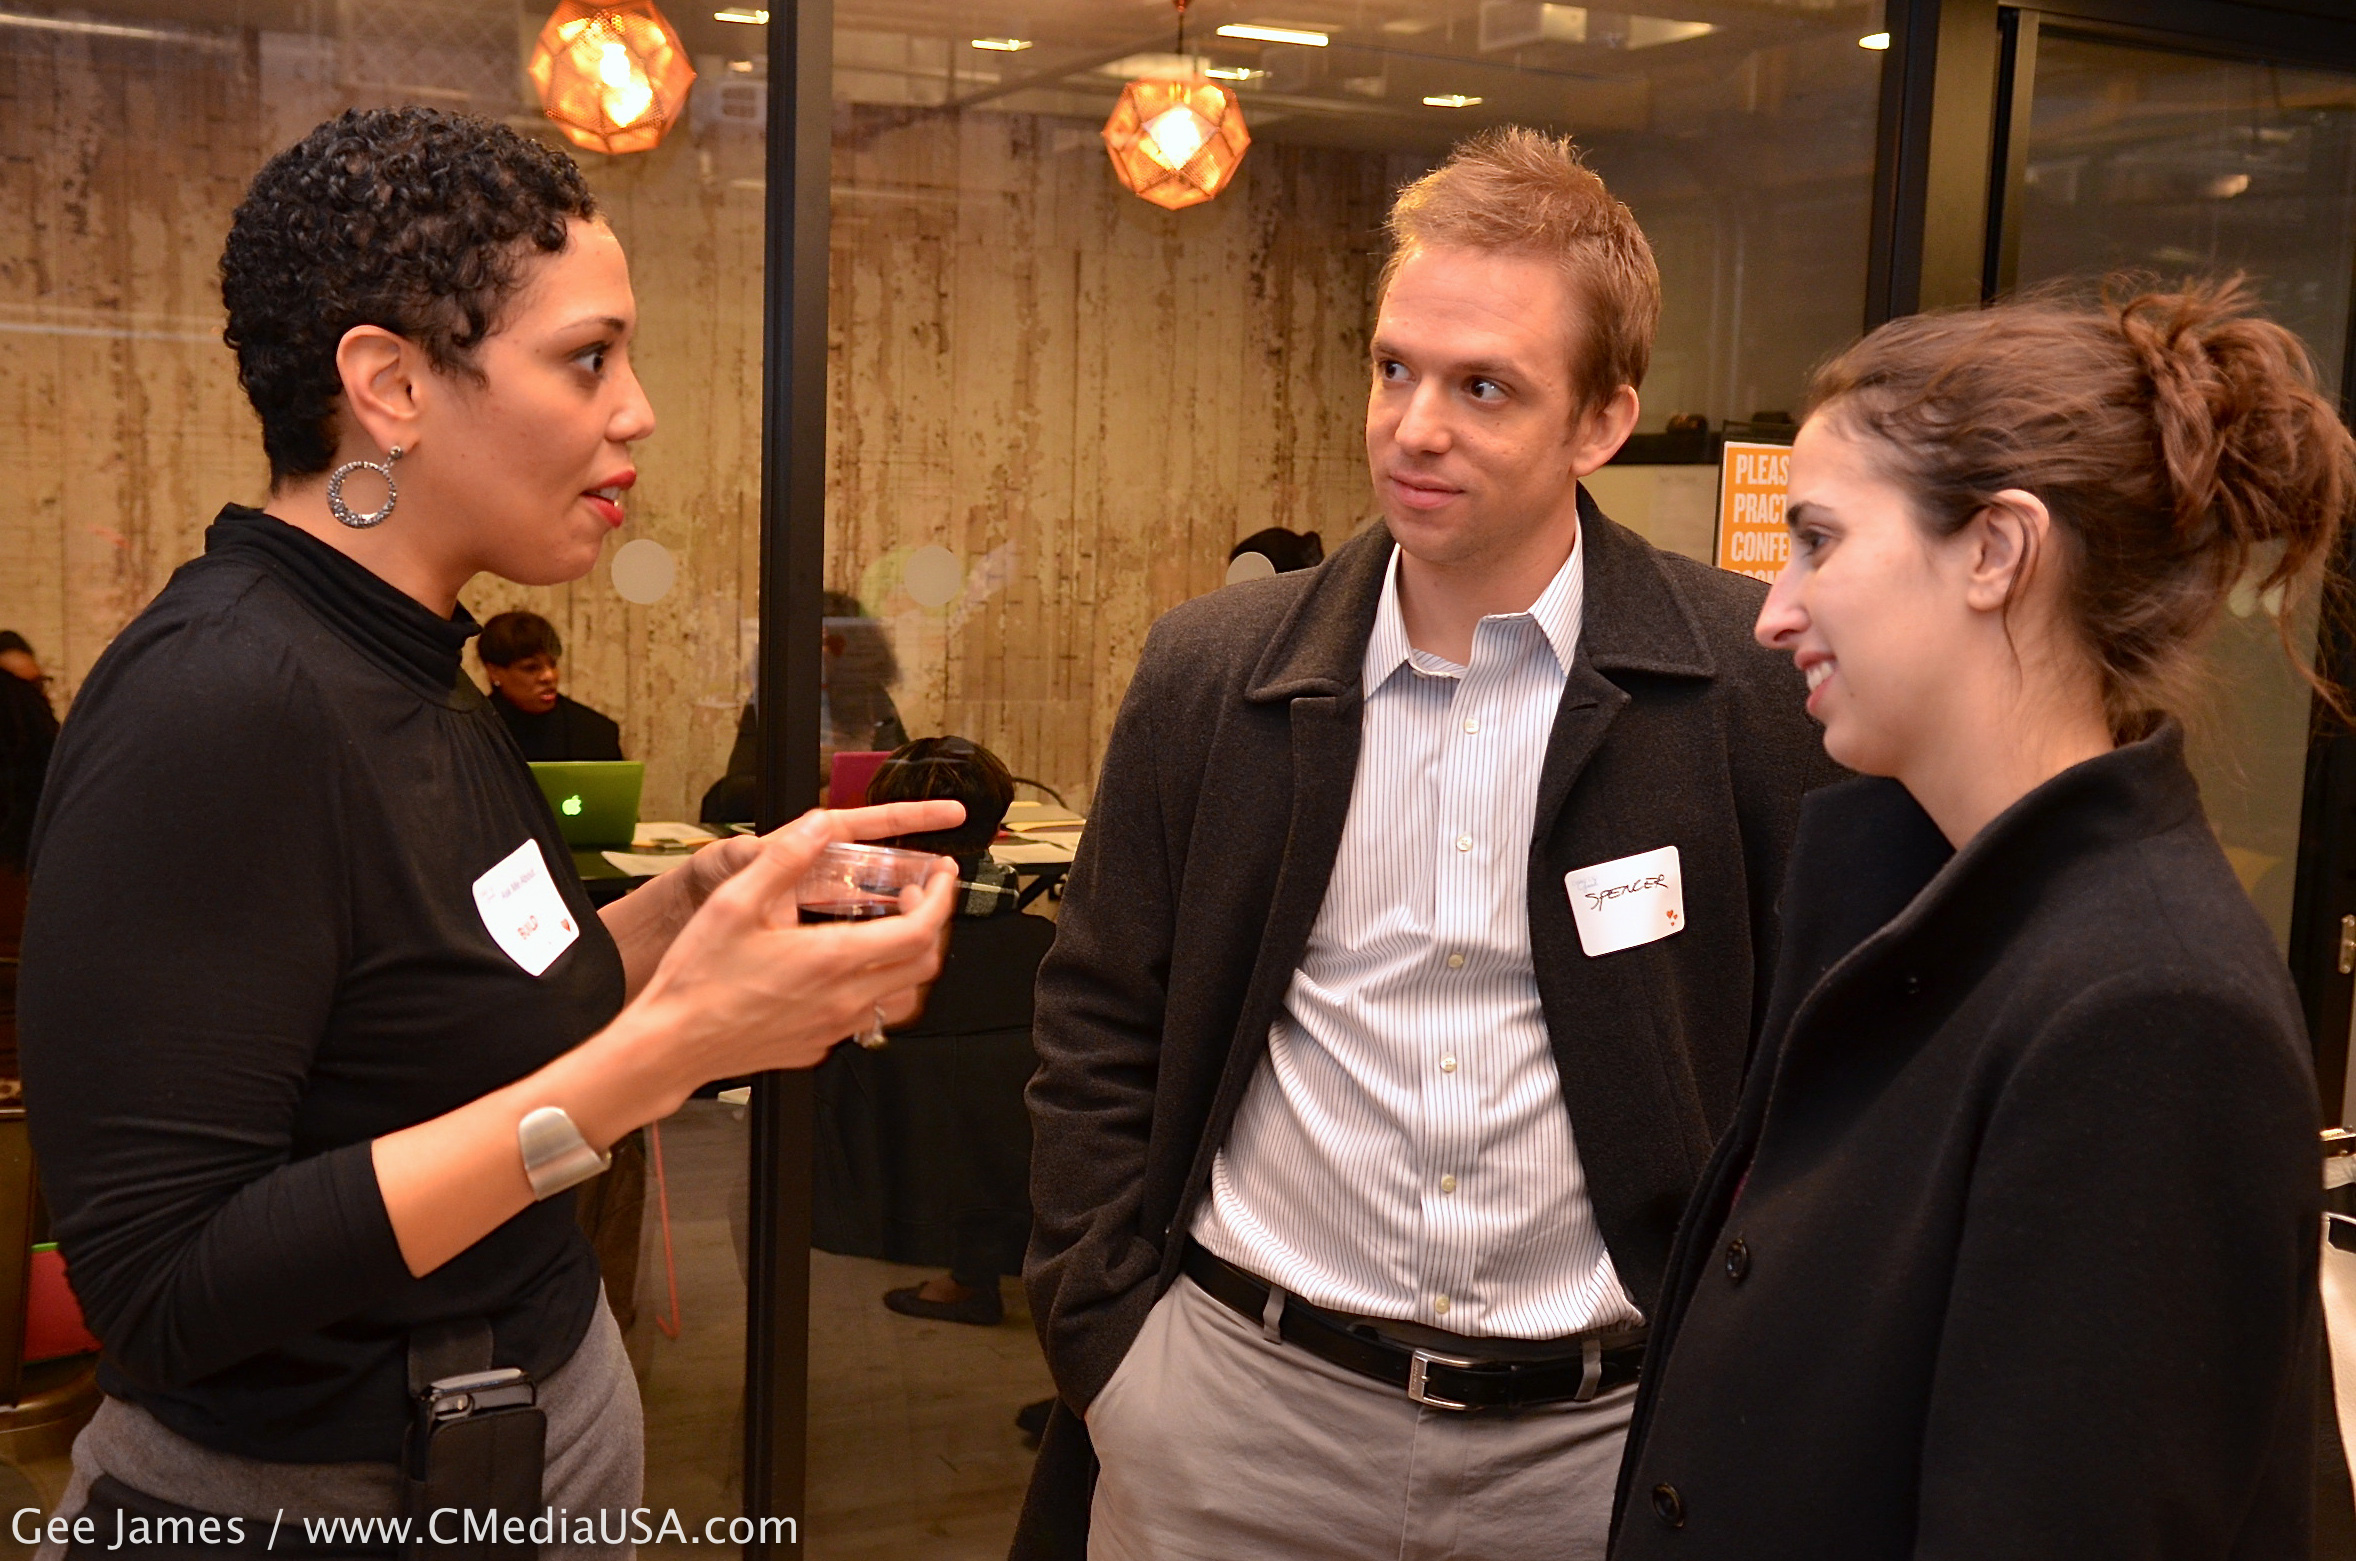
(570, 731)
(253, 946)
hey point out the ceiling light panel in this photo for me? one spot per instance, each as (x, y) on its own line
(1264, 34)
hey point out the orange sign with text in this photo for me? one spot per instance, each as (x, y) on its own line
(1751, 483)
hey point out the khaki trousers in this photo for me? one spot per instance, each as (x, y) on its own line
(1217, 1444)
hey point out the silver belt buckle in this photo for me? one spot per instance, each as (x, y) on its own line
(1418, 1364)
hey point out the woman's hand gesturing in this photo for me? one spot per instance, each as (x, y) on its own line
(746, 987)
(742, 988)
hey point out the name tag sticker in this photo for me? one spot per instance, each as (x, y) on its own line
(522, 910)
(1637, 899)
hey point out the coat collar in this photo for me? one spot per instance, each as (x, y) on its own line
(1871, 875)
(1634, 618)
(1556, 613)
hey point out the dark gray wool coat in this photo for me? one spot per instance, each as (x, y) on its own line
(1217, 820)
(2011, 1249)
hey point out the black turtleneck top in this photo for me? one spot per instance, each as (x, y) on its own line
(253, 946)
(570, 731)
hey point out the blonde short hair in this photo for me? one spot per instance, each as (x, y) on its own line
(1521, 191)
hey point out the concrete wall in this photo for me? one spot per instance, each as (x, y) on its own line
(1083, 398)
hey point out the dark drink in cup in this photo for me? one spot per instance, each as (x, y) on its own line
(849, 910)
(860, 883)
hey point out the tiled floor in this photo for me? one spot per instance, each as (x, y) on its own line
(913, 1450)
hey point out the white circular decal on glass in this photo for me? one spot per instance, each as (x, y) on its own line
(644, 571)
(1251, 566)
(932, 576)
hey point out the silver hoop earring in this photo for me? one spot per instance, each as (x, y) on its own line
(335, 491)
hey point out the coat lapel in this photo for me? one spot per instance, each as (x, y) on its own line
(1633, 621)
(1315, 665)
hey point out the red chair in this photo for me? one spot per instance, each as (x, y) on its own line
(847, 777)
(48, 1371)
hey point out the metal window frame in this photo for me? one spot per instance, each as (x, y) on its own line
(1956, 82)
(1958, 89)
(793, 561)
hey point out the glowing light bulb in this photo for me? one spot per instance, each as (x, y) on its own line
(1173, 136)
(628, 94)
(1176, 143)
(614, 77)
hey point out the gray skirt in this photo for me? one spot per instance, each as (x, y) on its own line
(596, 1460)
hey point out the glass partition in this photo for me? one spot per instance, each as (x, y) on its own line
(1053, 411)
(2174, 165)
(128, 132)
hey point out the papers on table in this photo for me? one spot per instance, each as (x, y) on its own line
(658, 833)
(1032, 853)
(658, 846)
(640, 864)
(1044, 834)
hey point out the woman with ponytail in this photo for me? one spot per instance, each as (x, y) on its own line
(2011, 1249)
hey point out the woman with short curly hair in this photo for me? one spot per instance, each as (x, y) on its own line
(318, 1023)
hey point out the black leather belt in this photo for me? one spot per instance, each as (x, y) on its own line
(1429, 1377)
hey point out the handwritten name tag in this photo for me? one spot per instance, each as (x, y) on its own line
(522, 910)
(1637, 899)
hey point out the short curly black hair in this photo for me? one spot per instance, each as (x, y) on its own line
(412, 219)
(510, 637)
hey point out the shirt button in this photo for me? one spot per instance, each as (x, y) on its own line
(1456, 962)
(1464, 842)
(1738, 1259)
(1440, 1304)
(1912, 985)
(1668, 1506)
(1448, 1063)
(1447, 1184)
(1472, 725)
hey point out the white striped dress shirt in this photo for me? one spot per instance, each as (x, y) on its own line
(1405, 1151)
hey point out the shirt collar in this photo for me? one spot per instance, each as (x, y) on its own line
(1556, 612)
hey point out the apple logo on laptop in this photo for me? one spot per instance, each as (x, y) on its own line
(571, 807)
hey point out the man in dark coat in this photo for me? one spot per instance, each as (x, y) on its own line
(1411, 957)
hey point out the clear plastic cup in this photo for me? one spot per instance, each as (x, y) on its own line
(852, 882)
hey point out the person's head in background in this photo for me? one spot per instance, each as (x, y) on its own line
(1515, 322)
(17, 658)
(2013, 526)
(520, 651)
(433, 282)
(953, 767)
(1274, 551)
(857, 647)
(858, 670)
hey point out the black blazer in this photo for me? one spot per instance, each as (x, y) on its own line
(1217, 821)
(2011, 1249)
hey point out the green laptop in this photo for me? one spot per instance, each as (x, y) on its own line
(595, 800)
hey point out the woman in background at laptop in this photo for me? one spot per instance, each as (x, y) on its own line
(520, 654)
(318, 1019)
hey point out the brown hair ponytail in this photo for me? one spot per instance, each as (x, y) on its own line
(2179, 442)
